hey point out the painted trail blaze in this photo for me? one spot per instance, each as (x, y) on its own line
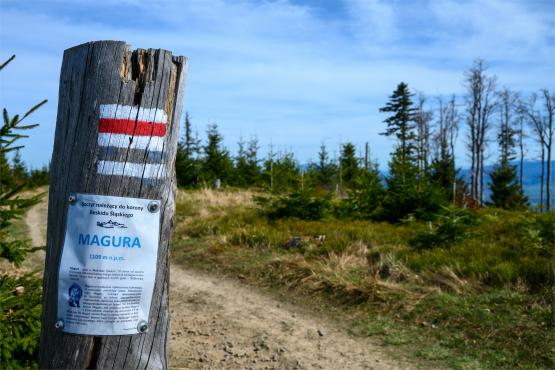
(131, 140)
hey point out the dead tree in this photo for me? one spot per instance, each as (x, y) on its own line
(423, 119)
(480, 105)
(541, 122)
(447, 131)
(549, 106)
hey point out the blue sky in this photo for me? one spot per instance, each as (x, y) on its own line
(294, 73)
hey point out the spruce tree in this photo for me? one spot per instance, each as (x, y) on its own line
(186, 159)
(19, 169)
(282, 172)
(505, 189)
(324, 170)
(366, 193)
(349, 164)
(216, 163)
(39, 176)
(247, 168)
(240, 170)
(408, 191)
(7, 180)
(252, 170)
(320, 174)
(443, 173)
(401, 122)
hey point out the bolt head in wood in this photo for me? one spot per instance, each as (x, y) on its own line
(59, 324)
(72, 199)
(142, 327)
(153, 207)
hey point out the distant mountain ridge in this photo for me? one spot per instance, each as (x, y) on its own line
(531, 179)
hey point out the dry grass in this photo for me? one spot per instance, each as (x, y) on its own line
(447, 280)
(444, 300)
(216, 200)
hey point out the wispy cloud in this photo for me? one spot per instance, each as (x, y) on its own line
(293, 72)
(373, 22)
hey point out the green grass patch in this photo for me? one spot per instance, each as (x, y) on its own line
(481, 301)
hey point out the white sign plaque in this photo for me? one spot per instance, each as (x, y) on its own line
(108, 265)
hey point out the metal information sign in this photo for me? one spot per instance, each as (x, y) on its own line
(108, 265)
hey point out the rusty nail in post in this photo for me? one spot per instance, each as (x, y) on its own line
(72, 199)
(153, 207)
(142, 327)
(59, 324)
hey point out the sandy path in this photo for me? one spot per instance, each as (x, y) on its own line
(221, 324)
(36, 221)
(36, 225)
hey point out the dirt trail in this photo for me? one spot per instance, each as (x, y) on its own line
(36, 221)
(220, 324)
(36, 231)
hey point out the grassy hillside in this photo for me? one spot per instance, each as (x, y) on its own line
(480, 301)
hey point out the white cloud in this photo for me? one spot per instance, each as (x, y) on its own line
(373, 21)
(499, 29)
(277, 68)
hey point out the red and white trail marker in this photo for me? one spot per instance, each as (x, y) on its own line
(140, 131)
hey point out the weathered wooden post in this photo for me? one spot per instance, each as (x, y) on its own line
(111, 208)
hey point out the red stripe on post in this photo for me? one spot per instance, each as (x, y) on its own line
(131, 127)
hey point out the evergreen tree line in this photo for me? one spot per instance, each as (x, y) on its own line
(423, 173)
(201, 164)
(14, 172)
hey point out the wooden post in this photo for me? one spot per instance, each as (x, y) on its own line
(99, 76)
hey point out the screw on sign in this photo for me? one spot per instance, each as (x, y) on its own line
(112, 182)
(142, 327)
(59, 324)
(153, 207)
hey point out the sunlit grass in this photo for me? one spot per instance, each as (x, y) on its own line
(483, 301)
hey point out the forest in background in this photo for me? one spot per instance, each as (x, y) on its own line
(423, 169)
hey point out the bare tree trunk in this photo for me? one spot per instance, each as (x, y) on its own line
(521, 150)
(474, 166)
(548, 181)
(366, 157)
(480, 106)
(550, 110)
(481, 197)
(542, 181)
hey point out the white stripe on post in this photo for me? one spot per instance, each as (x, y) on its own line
(151, 171)
(133, 112)
(152, 143)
